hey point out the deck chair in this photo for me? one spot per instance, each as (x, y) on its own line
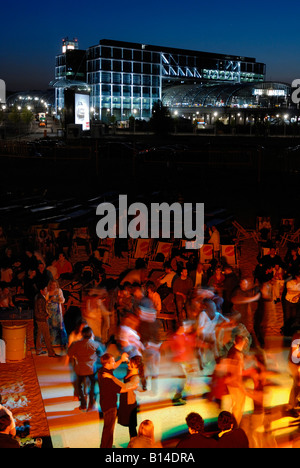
(44, 241)
(81, 239)
(243, 233)
(229, 254)
(206, 253)
(142, 248)
(287, 228)
(163, 250)
(263, 228)
(293, 237)
(106, 249)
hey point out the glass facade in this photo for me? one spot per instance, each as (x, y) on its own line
(242, 95)
(125, 79)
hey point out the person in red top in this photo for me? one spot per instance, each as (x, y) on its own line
(63, 266)
(183, 345)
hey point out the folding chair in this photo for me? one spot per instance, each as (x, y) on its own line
(44, 240)
(81, 238)
(243, 234)
(263, 228)
(164, 248)
(287, 228)
(291, 237)
(229, 254)
(206, 253)
(142, 248)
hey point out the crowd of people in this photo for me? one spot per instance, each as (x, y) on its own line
(198, 315)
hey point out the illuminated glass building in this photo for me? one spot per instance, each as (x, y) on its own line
(126, 78)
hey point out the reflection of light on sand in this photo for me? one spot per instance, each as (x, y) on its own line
(277, 396)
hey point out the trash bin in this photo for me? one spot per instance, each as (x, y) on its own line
(15, 340)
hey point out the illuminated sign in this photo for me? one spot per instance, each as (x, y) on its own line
(269, 92)
(82, 110)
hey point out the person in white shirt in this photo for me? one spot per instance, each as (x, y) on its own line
(209, 321)
(128, 339)
(198, 276)
(168, 277)
(215, 240)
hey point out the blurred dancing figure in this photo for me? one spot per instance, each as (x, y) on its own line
(234, 378)
(128, 338)
(85, 353)
(244, 300)
(183, 345)
(208, 325)
(294, 366)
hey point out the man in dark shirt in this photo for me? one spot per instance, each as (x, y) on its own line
(196, 437)
(86, 352)
(229, 435)
(41, 317)
(6, 439)
(182, 287)
(243, 298)
(271, 259)
(109, 389)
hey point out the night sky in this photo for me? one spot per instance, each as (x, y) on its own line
(31, 32)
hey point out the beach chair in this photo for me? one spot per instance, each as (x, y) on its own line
(293, 237)
(243, 233)
(229, 254)
(287, 229)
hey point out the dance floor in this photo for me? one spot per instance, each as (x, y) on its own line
(70, 428)
(44, 395)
